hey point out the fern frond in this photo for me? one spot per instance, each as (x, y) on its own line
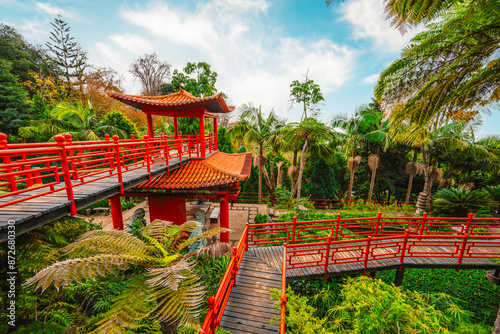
(158, 229)
(62, 273)
(205, 235)
(171, 276)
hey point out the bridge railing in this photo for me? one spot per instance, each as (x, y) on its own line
(471, 238)
(32, 170)
(355, 228)
(217, 303)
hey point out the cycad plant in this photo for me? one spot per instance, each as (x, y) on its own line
(459, 202)
(494, 193)
(163, 282)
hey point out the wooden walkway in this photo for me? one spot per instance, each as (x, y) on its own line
(250, 309)
(38, 211)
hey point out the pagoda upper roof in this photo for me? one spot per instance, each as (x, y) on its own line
(180, 100)
(218, 169)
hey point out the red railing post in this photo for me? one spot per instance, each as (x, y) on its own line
(235, 266)
(283, 298)
(6, 160)
(69, 142)
(246, 238)
(110, 151)
(377, 225)
(329, 240)
(211, 309)
(146, 158)
(67, 178)
(423, 223)
(465, 238)
(337, 228)
(294, 227)
(469, 221)
(367, 253)
(405, 243)
(189, 145)
(118, 163)
(179, 148)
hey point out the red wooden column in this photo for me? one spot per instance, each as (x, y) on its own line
(224, 217)
(176, 127)
(116, 212)
(215, 133)
(202, 136)
(149, 118)
(167, 208)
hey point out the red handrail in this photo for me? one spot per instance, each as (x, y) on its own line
(283, 298)
(217, 303)
(38, 169)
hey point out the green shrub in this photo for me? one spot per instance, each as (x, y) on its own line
(127, 205)
(261, 219)
(459, 202)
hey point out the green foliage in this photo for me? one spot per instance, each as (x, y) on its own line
(322, 184)
(251, 185)
(308, 94)
(67, 54)
(300, 318)
(198, 79)
(472, 291)
(120, 121)
(126, 205)
(459, 202)
(14, 110)
(224, 143)
(261, 219)
(242, 149)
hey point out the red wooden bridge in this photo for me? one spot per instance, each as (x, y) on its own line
(268, 255)
(47, 181)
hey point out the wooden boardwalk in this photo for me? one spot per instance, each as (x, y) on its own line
(249, 308)
(38, 211)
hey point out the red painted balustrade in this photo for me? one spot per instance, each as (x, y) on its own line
(38, 169)
(360, 240)
(217, 303)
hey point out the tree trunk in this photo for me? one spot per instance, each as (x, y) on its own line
(496, 330)
(260, 174)
(269, 183)
(374, 173)
(301, 170)
(279, 182)
(427, 177)
(294, 164)
(351, 181)
(410, 182)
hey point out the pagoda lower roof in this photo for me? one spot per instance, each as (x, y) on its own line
(219, 169)
(180, 100)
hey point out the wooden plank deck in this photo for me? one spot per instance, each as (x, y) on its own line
(273, 256)
(249, 308)
(38, 211)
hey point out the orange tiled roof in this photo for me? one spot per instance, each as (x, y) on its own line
(181, 99)
(218, 169)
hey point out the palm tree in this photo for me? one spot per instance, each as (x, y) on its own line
(78, 120)
(355, 128)
(450, 71)
(164, 284)
(255, 128)
(315, 137)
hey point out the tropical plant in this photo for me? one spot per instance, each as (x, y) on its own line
(315, 137)
(355, 128)
(79, 120)
(309, 94)
(494, 193)
(459, 202)
(254, 128)
(164, 284)
(120, 121)
(449, 72)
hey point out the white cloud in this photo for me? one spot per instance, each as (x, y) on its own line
(371, 79)
(53, 10)
(254, 61)
(369, 21)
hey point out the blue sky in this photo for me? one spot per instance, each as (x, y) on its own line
(257, 47)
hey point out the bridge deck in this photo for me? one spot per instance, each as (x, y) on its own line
(37, 211)
(250, 309)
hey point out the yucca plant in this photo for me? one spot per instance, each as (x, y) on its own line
(459, 202)
(163, 285)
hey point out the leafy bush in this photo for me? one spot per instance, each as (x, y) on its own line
(459, 202)
(127, 205)
(470, 287)
(261, 219)
(494, 193)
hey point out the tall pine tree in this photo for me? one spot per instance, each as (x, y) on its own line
(68, 54)
(322, 183)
